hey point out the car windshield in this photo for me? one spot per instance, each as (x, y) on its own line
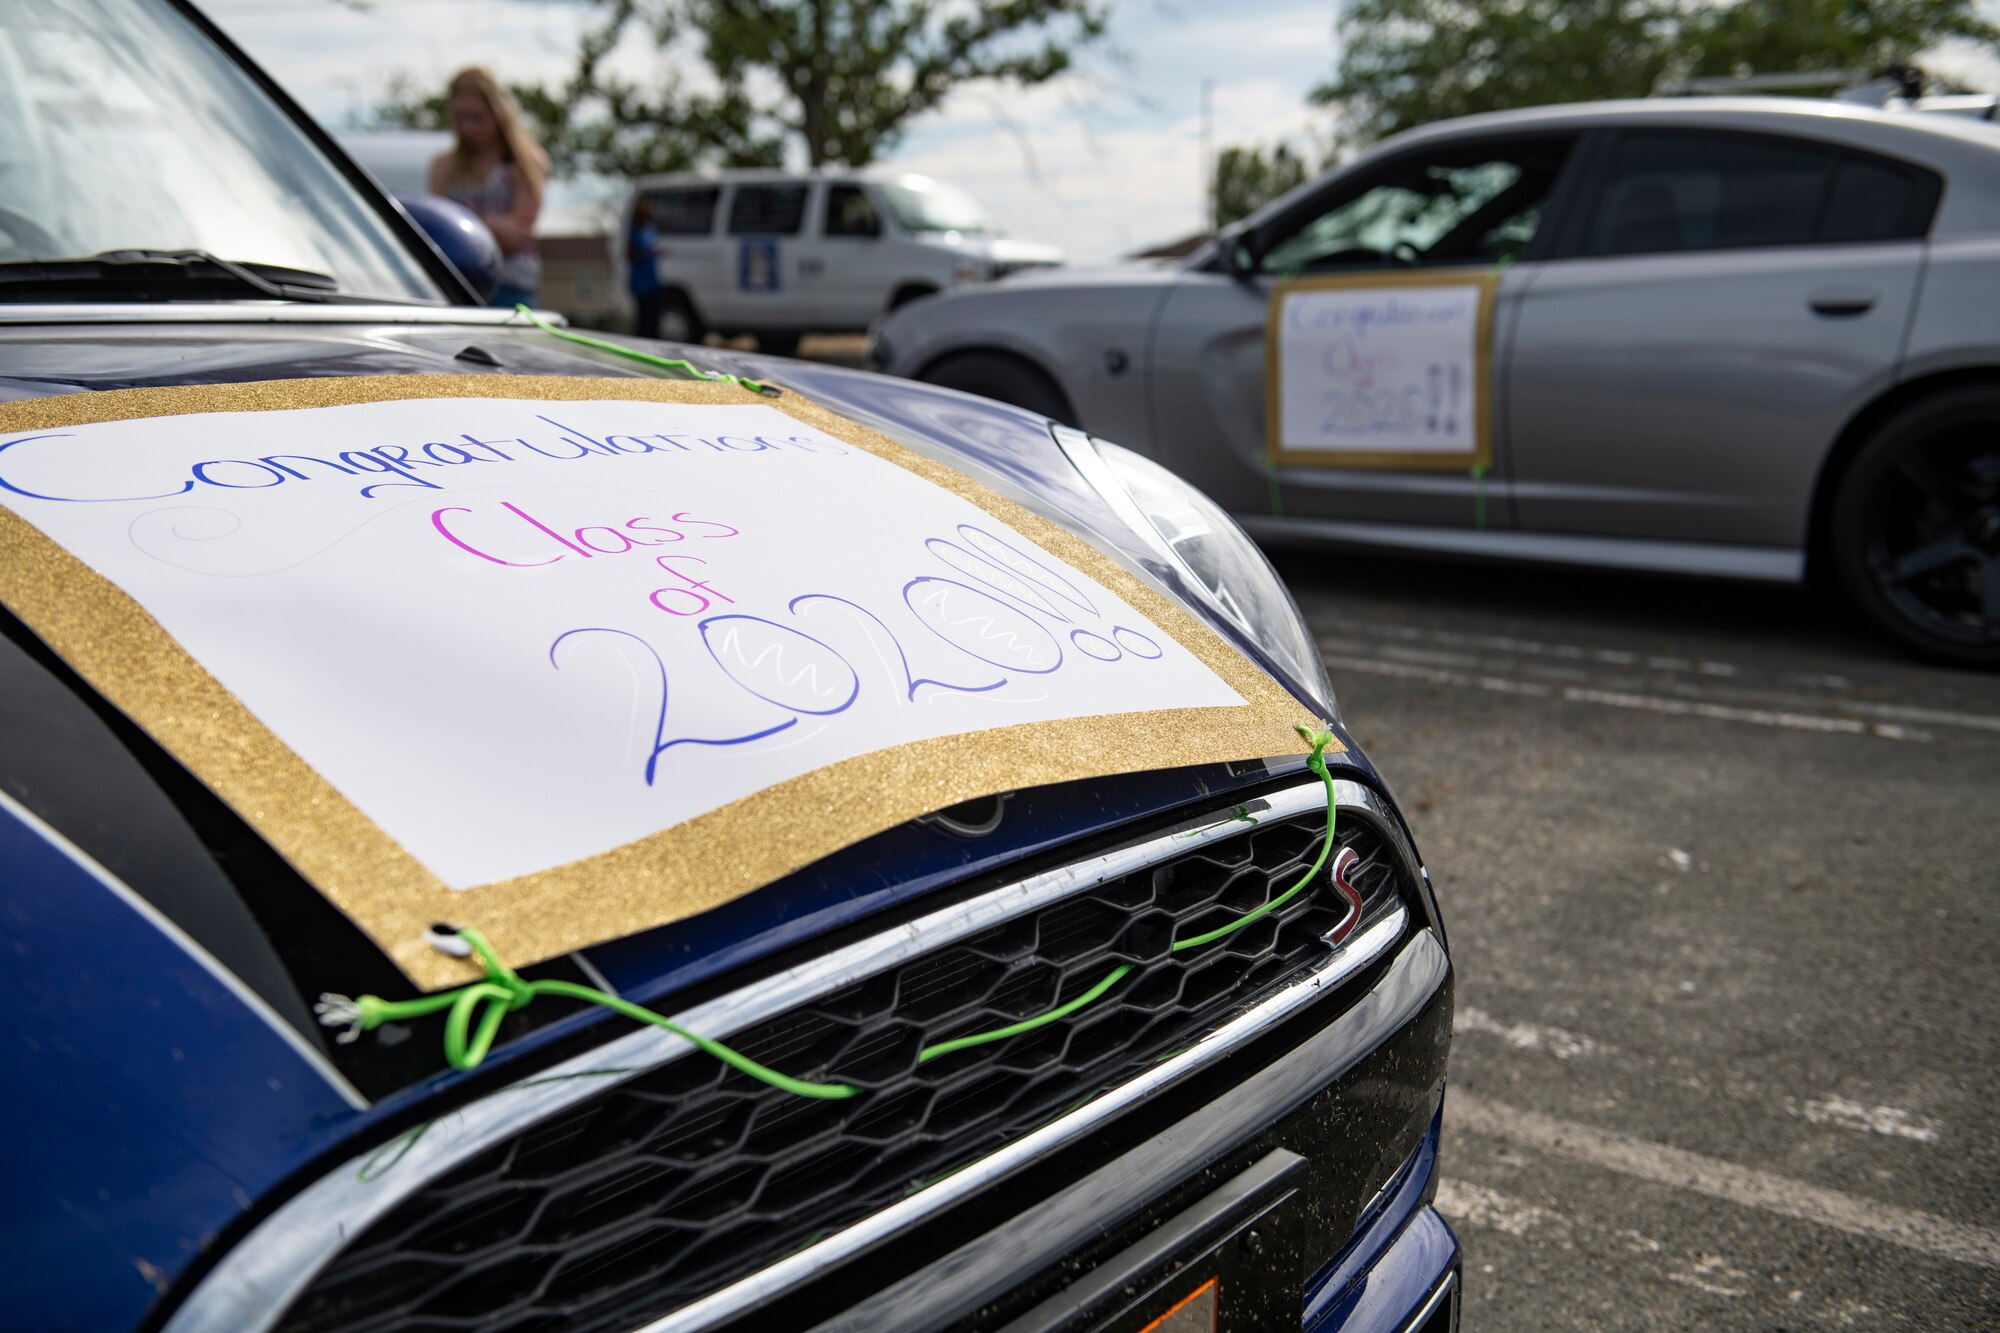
(927, 205)
(123, 128)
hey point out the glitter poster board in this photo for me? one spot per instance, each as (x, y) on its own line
(568, 659)
(1381, 370)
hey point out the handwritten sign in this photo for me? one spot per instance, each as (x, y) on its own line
(516, 635)
(1380, 370)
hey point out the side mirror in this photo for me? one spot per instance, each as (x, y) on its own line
(1233, 248)
(460, 237)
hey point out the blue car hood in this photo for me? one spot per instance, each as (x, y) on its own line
(158, 1030)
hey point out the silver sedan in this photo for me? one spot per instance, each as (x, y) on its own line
(1753, 338)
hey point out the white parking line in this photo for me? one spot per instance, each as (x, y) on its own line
(1676, 1168)
(1762, 717)
(1527, 1036)
(1888, 1121)
(1467, 1204)
(1533, 648)
(1393, 638)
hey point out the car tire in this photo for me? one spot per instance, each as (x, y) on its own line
(680, 322)
(1006, 378)
(1915, 527)
(779, 344)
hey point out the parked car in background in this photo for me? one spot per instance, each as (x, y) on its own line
(781, 254)
(1742, 337)
(1190, 1030)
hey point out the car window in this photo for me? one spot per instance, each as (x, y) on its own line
(1452, 204)
(849, 212)
(1667, 191)
(767, 210)
(1879, 201)
(685, 211)
(123, 127)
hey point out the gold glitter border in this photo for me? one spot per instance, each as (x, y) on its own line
(666, 876)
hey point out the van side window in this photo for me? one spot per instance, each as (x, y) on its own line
(1671, 191)
(767, 210)
(688, 211)
(849, 212)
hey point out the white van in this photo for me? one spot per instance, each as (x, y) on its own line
(782, 254)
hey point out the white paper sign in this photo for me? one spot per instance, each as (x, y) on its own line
(515, 634)
(1378, 370)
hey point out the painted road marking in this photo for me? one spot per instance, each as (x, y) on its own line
(1475, 1205)
(1762, 717)
(1677, 1168)
(1533, 648)
(1561, 1044)
(1888, 1121)
(1394, 638)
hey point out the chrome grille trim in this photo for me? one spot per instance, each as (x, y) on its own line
(251, 1287)
(733, 1300)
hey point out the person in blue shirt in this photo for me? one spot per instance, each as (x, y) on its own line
(642, 247)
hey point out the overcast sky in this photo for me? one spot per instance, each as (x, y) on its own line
(1101, 164)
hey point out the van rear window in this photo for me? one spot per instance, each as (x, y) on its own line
(687, 211)
(767, 210)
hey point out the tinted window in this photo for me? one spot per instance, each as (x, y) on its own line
(1666, 192)
(684, 212)
(767, 210)
(848, 212)
(1450, 205)
(1878, 201)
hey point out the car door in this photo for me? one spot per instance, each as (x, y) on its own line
(853, 285)
(1468, 204)
(764, 286)
(1720, 306)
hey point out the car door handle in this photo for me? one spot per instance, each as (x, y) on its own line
(1843, 302)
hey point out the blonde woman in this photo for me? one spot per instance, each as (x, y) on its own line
(497, 170)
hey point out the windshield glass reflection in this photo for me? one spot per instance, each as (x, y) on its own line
(921, 204)
(122, 128)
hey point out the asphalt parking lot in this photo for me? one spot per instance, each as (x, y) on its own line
(1720, 871)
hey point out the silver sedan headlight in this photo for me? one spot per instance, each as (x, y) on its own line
(1216, 558)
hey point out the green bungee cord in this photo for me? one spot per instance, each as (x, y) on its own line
(474, 1012)
(685, 367)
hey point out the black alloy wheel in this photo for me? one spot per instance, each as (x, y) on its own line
(1916, 527)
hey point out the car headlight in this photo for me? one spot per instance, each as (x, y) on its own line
(967, 270)
(1215, 556)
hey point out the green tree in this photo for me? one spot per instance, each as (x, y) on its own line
(1407, 62)
(841, 79)
(1248, 178)
(845, 77)
(597, 121)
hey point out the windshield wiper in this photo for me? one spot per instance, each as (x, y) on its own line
(158, 275)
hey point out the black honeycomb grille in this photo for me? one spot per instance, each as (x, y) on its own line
(675, 1183)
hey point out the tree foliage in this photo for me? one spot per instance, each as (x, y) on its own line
(851, 74)
(840, 79)
(1408, 62)
(1248, 178)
